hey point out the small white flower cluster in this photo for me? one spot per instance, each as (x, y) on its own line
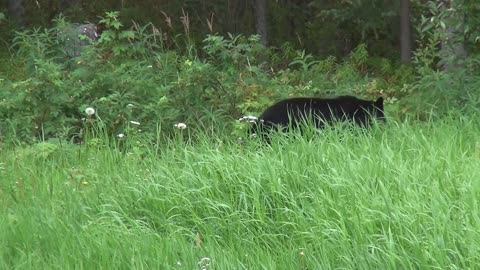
(180, 126)
(248, 118)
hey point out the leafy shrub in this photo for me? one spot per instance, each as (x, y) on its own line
(436, 90)
(127, 75)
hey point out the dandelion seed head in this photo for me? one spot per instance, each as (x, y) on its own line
(204, 263)
(90, 111)
(180, 126)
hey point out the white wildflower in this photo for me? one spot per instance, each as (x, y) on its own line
(90, 111)
(135, 123)
(180, 126)
(121, 135)
(204, 263)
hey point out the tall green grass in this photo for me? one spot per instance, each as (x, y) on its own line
(403, 196)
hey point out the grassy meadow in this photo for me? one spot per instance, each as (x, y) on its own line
(403, 196)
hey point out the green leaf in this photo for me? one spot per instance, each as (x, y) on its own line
(117, 25)
(107, 35)
(442, 24)
(163, 100)
(118, 49)
(127, 34)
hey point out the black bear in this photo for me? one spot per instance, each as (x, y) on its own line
(320, 111)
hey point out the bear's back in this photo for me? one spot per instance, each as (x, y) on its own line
(326, 108)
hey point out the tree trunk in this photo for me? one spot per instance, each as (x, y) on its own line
(66, 4)
(453, 47)
(405, 32)
(16, 11)
(260, 7)
(238, 13)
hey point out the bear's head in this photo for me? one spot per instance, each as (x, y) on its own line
(370, 110)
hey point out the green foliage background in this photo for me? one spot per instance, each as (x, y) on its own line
(164, 63)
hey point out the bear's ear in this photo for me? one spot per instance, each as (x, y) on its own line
(379, 103)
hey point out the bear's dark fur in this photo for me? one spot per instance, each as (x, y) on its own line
(294, 111)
